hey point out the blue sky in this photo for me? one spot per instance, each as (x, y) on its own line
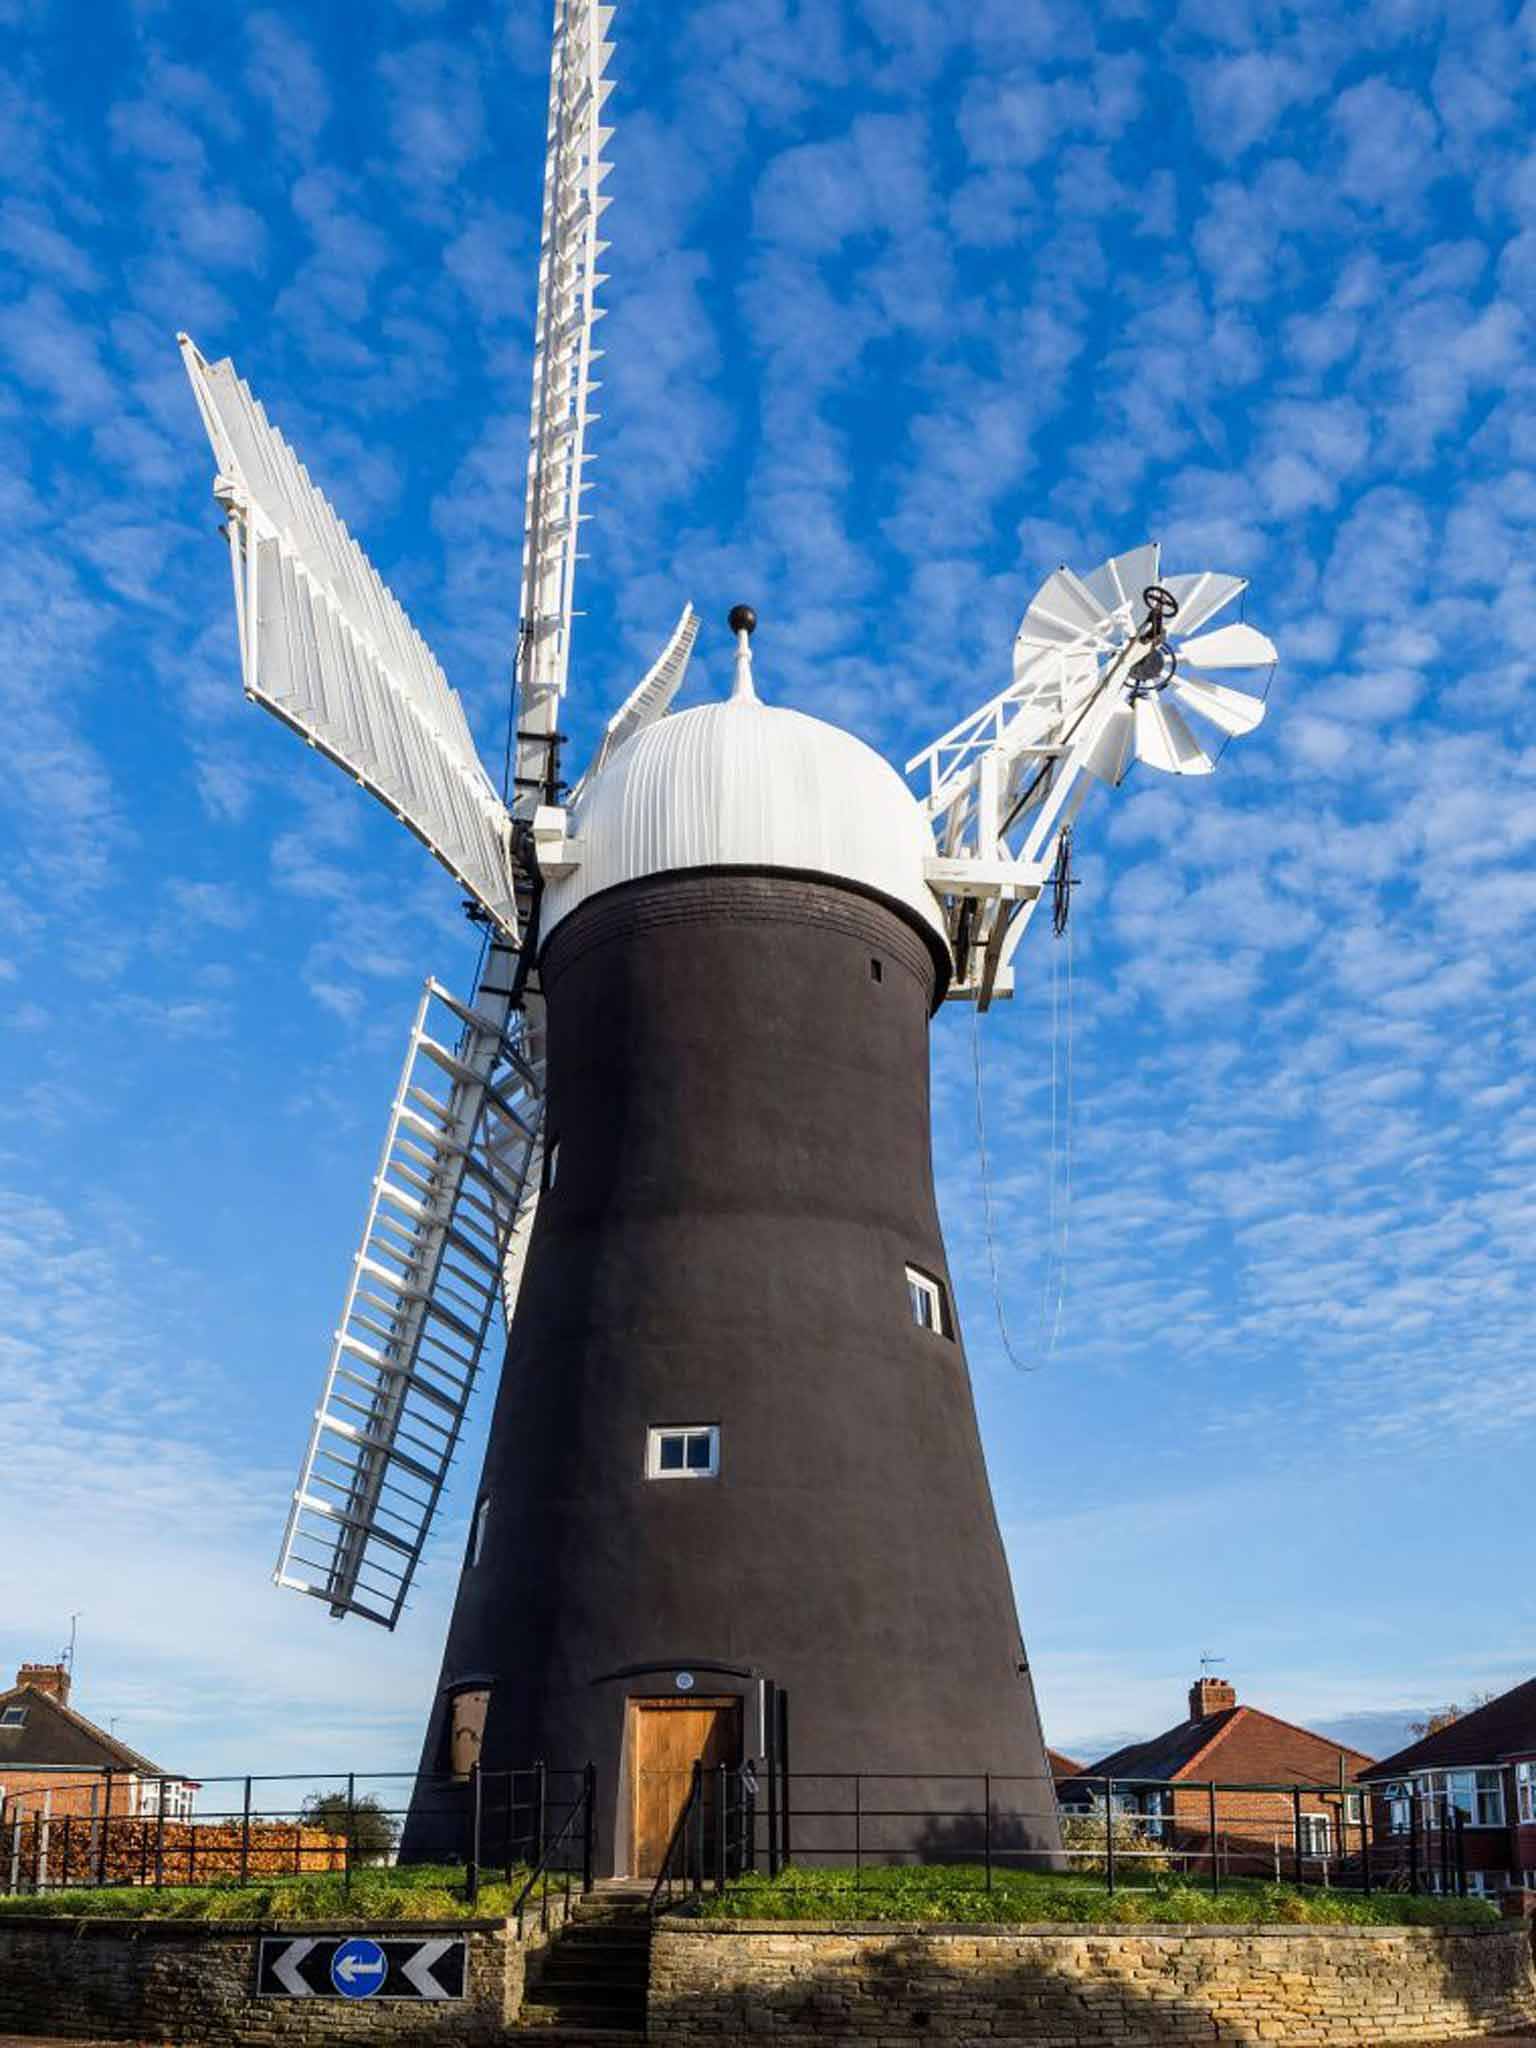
(911, 299)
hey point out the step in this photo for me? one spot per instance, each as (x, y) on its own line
(613, 2024)
(578, 1971)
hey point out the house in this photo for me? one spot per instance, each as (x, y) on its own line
(1464, 1798)
(1060, 1766)
(54, 1763)
(1284, 1801)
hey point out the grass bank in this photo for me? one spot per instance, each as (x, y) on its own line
(958, 1893)
(421, 1892)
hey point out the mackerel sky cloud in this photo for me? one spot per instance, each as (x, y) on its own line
(910, 301)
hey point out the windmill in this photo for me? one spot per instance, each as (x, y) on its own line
(681, 1130)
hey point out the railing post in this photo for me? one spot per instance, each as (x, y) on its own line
(1461, 1854)
(1365, 1843)
(160, 1844)
(1296, 1832)
(506, 1833)
(472, 1869)
(589, 1828)
(697, 1829)
(986, 1794)
(720, 1820)
(1215, 1858)
(771, 1769)
(858, 1829)
(106, 1829)
(66, 1851)
(784, 1768)
(245, 1833)
(346, 1867)
(541, 1810)
(1413, 1838)
(1109, 1834)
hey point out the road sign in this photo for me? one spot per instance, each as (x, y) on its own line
(358, 1966)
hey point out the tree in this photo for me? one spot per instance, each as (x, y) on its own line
(371, 1827)
(1443, 1717)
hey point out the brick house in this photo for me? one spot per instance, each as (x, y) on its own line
(54, 1762)
(1481, 1767)
(1314, 1824)
(79, 1807)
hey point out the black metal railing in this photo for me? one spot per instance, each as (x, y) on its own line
(576, 1834)
(62, 1827)
(1123, 1832)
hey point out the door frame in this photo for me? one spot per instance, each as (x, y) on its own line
(636, 1706)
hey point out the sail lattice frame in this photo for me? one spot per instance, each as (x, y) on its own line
(452, 1204)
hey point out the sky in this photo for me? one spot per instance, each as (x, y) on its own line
(910, 301)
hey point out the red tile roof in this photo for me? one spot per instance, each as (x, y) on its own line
(1505, 1727)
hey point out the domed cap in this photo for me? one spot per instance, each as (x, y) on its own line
(743, 784)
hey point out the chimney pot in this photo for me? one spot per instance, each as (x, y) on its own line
(1211, 1696)
(50, 1678)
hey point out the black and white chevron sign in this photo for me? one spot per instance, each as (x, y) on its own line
(361, 1966)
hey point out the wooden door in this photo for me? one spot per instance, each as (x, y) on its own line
(667, 1737)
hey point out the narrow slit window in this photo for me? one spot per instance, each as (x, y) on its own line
(551, 1164)
(925, 1297)
(684, 1451)
(876, 969)
(477, 1530)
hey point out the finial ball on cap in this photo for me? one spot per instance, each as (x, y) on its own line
(743, 619)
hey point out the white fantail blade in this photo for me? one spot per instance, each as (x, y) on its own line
(574, 172)
(650, 699)
(1110, 753)
(327, 648)
(1233, 711)
(1061, 612)
(1235, 646)
(1164, 741)
(1201, 597)
(1128, 575)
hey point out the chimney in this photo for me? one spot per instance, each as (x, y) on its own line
(52, 1679)
(1210, 1696)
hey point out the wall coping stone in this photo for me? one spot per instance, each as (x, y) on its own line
(1132, 1930)
(163, 1925)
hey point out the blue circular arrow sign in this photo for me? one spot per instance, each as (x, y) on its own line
(358, 1968)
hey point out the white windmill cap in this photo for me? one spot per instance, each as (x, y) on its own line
(743, 784)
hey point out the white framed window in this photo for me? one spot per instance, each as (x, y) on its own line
(683, 1451)
(173, 1796)
(1525, 1791)
(1483, 1882)
(1478, 1796)
(1352, 1809)
(925, 1296)
(1316, 1835)
(13, 1717)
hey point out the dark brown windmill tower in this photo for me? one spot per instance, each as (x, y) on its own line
(683, 1129)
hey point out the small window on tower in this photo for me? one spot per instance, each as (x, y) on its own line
(552, 1164)
(925, 1296)
(684, 1452)
(13, 1717)
(876, 969)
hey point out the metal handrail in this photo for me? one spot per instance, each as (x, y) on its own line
(584, 1810)
(679, 1833)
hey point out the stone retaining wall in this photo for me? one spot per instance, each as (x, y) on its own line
(194, 1981)
(1086, 1987)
